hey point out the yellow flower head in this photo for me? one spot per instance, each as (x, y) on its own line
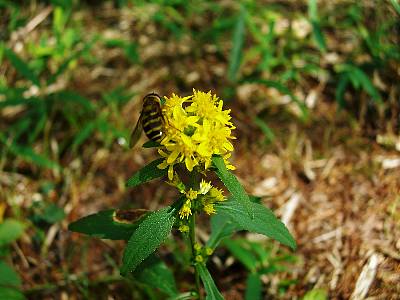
(196, 127)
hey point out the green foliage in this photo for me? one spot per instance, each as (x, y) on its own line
(253, 287)
(221, 227)
(10, 230)
(21, 66)
(151, 232)
(209, 284)
(349, 73)
(10, 283)
(106, 225)
(237, 45)
(233, 185)
(264, 221)
(155, 273)
(267, 131)
(147, 173)
(48, 213)
(316, 294)
(313, 15)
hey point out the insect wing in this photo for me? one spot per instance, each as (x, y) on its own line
(136, 133)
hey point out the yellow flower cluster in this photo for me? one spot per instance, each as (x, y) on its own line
(203, 199)
(196, 128)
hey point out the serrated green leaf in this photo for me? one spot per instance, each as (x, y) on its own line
(10, 230)
(110, 224)
(232, 184)
(246, 257)
(264, 221)
(253, 287)
(237, 46)
(151, 232)
(156, 274)
(209, 284)
(147, 173)
(21, 66)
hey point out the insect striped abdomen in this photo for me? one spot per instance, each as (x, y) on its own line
(152, 119)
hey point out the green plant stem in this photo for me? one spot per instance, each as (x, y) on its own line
(192, 238)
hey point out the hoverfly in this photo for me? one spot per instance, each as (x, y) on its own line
(151, 120)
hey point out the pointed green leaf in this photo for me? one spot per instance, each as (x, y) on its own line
(110, 224)
(209, 284)
(21, 66)
(232, 184)
(264, 221)
(151, 232)
(156, 274)
(147, 173)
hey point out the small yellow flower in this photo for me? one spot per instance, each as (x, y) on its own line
(204, 187)
(199, 258)
(209, 208)
(197, 247)
(183, 228)
(185, 210)
(191, 194)
(217, 194)
(208, 251)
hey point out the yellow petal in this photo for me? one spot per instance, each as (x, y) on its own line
(172, 157)
(171, 172)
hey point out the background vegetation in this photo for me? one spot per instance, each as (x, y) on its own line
(313, 88)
